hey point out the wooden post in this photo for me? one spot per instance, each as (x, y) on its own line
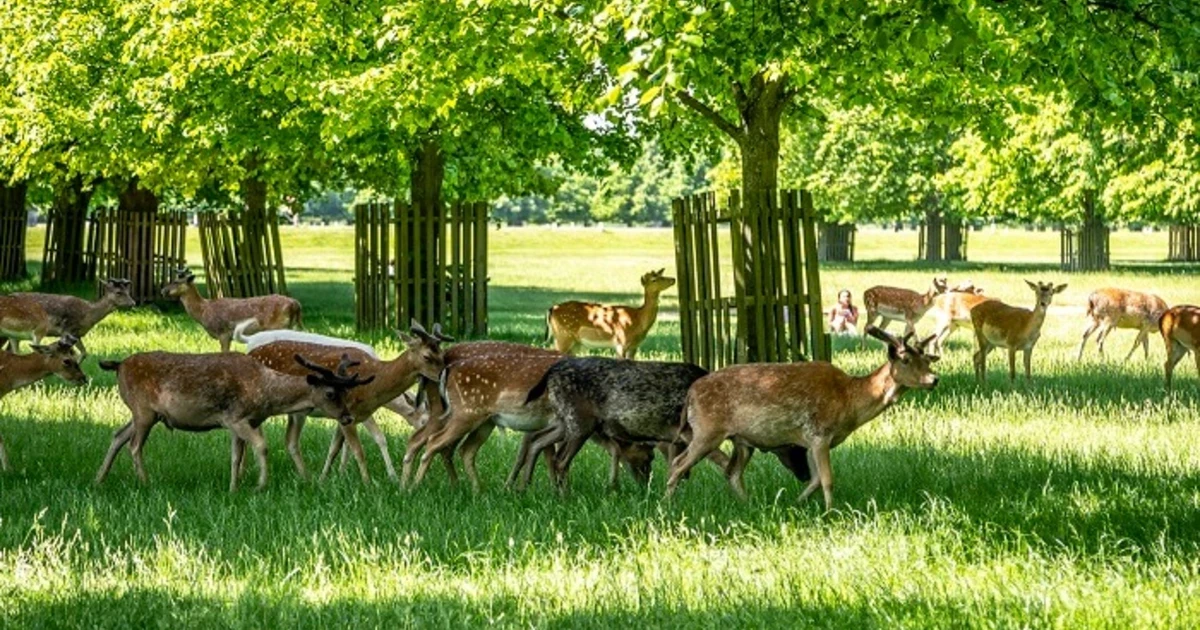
(13, 221)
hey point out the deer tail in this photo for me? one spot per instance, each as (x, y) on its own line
(110, 366)
(539, 390)
(239, 331)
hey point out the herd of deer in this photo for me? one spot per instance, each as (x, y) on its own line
(797, 412)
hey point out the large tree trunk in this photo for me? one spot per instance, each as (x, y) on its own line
(931, 235)
(68, 226)
(13, 217)
(954, 239)
(428, 295)
(1086, 249)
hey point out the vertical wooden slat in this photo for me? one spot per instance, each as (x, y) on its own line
(682, 274)
(480, 324)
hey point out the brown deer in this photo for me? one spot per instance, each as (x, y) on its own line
(952, 310)
(489, 390)
(70, 315)
(1119, 308)
(19, 370)
(599, 325)
(422, 357)
(1180, 328)
(220, 316)
(22, 318)
(999, 325)
(200, 392)
(905, 305)
(813, 405)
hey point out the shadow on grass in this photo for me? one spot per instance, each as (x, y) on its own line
(140, 607)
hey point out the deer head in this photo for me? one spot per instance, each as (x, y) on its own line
(911, 367)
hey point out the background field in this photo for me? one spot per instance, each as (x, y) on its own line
(1073, 500)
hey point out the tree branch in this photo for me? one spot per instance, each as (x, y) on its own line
(710, 114)
(1137, 15)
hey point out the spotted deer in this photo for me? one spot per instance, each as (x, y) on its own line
(814, 405)
(952, 310)
(220, 316)
(70, 315)
(200, 392)
(422, 356)
(1180, 328)
(624, 328)
(22, 318)
(19, 370)
(905, 305)
(1120, 308)
(998, 325)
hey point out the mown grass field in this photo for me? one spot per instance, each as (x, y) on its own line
(1072, 501)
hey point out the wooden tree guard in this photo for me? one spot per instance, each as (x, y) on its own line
(778, 285)
(954, 239)
(431, 267)
(1086, 248)
(13, 218)
(941, 238)
(242, 254)
(1183, 243)
(144, 247)
(72, 242)
(836, 242)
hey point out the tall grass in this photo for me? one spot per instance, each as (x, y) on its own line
(1073, 500)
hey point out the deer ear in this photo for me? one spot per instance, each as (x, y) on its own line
(314, 380)
(1060, 288)
(40, 349)
(1032, 285)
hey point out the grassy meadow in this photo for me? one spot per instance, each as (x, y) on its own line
(1070, 501)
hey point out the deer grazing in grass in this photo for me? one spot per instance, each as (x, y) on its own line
(22, 318)
(19, 370)
(220, 316)
(200, 392)
(70, 315)
(624, 328)
(813, 405)
(1180, 328)
(952, 310)
(905, 305)
(422, 357)
(489, 388)
(1118, 308)
(999, 325)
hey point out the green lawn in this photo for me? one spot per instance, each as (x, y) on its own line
(1071, 501)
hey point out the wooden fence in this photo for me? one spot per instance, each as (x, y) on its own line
(1086, 247)
(13, 219)
(144, 247)
(71, 247)
(775, 312)
(417, 265)
(836, 242)
(941, 238)
(242, 254)
(1183, 243)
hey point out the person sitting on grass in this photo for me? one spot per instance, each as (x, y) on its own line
(843, 318)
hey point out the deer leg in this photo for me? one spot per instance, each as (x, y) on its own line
(416, 442)
(1087, 332)
(737, 465)
(237, 451)
(343, 460)
(1012, 364)
(862, 339)
(381, 441)
(447, 438)
(470, 448)
(3, 456)
(294, 426)
(522, 453)
(225, 340)
(335, 445)
(1102, 336)
(1175, 352)
(542, 440)
(1028, 359)
(567, 455)
(1143, 337)
(120, 438)
(815, 482)
(1146, 344)
(356, 447)
(700, 446)
(255, 437)
(140, 433)
(83, 353)
(824, 471)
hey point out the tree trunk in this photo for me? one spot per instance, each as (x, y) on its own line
(13, 220)
(1184, 243)
(68, 226)
(1087, 249)
(425, 191)
(931, 235)
(954, 239)
(138, 206)
(253, 257)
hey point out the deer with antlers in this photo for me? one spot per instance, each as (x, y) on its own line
(19, 370)
(905, 305)
(624, 328)
(998, 325)
(423, 356)
(220, 316)
(1180, 328)
(813, 405)
(1120, 308)
(200, 392)
(22, 318)
(70, 315)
